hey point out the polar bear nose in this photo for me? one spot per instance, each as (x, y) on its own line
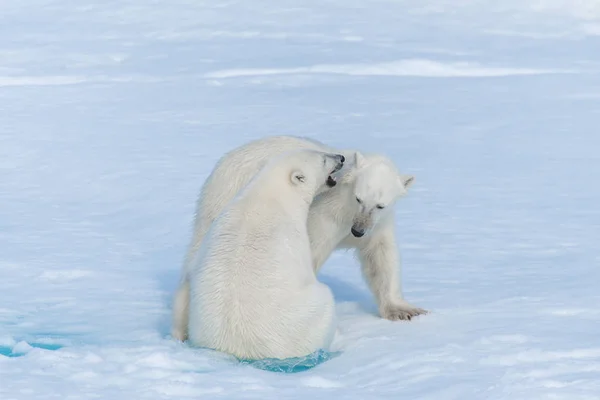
(339, 161)
(357, 232)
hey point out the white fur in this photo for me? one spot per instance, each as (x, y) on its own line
(372, 178)
(253, 291)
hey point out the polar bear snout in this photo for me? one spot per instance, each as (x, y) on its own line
(360, 226)
(338, 161)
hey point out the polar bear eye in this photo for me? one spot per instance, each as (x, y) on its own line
(359, 201)
(380, 206)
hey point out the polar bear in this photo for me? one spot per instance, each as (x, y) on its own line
(253, 290)
(357, 214)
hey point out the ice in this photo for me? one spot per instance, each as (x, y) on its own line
(114, 112)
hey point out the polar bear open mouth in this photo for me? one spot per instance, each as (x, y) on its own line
(331, 182)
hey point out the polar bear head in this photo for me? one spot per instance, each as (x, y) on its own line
(310, 172)
(377, 185)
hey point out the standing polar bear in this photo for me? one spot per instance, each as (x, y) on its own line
(253, 291)
(357, 214)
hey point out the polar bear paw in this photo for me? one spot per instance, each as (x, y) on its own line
(401, 312)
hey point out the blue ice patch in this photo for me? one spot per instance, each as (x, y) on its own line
(47, 346)
(9, 351)
(6, 351)
(292, 365)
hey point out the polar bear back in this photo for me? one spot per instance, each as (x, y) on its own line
(242, 300)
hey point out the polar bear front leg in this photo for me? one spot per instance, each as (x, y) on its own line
(379, 258)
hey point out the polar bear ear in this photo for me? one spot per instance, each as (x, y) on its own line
(297, 177)
(406, 180)
(359, 160)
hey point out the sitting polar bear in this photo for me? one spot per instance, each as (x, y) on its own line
(253, 291)
(357, 213)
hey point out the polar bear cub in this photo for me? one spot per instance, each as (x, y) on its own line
(253, 290)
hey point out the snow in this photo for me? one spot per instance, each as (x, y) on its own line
(423, 68)
(114, 112)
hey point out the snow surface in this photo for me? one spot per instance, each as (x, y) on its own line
(114, 112)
